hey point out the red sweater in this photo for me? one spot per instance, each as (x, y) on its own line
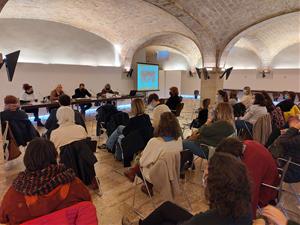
(262, 169)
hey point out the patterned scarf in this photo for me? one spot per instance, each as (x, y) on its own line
(41, 182)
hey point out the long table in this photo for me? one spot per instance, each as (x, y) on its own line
(76, 102)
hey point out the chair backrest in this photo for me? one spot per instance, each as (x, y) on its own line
(81, 213)
(262, 129)
(179, 108)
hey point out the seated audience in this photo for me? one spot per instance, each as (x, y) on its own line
(247, 98)
(81, 92)
(254, 112)
(213, 131)
(68, 131)
(44, 186)
(158, 109)
(287, 104)
(290, 141)
(233, 99)
(167, 139)
(51, 123)
(27, 98)
(58, 91)
(21, 127)
(227, 189)
(140, 120)
(202, 115)
(222, 96)
(174, 100)
(275, 216)
(261, 168)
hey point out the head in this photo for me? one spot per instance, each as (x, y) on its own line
(107, 87)
(153, 99)
(137, 107)
(11, 103)
(228, 186)
(59, 88)
(247, 90)
(40, 153)
(28, 88)
(81, 86)
(206, 103)
(222, 96)
(231, 146)
(65, 115)
(224, 112)
(268, 101)
(174, 91)
(292, 95)
(168, 126)
(259, 99)
(233, 95)
(64, 100)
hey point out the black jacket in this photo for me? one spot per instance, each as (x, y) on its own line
(173, 101)
(51, 123)
(211, 217)
(137, 122)
(286, 105)
(81, 93)
(79, 156)
(290, 141)
(20, 125)
(119, 118)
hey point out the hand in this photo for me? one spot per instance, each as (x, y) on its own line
(259, 222)
(274, 215)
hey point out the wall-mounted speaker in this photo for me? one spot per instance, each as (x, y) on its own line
(129, 74)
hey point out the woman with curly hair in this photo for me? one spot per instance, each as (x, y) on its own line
(227, 189)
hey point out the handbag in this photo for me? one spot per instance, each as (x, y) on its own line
(10, 147)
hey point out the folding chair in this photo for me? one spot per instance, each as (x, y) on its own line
(281, 189)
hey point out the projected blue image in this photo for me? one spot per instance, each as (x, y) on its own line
(147, 77)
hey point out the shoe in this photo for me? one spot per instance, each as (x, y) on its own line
(144, 190)
(126, 221)
(94, 184)
(130, 174)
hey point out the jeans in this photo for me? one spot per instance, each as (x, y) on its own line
(113, 138)
(84, 107)
(195, 147)
(167, 214)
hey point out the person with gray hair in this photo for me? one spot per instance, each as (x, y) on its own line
(68, 131)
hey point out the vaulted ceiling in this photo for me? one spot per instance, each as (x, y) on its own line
(201, 29)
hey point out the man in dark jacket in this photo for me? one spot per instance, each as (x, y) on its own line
(51, 123)
(81, 92)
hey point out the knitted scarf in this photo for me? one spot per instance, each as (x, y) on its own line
(41, 182)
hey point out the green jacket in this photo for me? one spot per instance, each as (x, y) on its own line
(215, 132)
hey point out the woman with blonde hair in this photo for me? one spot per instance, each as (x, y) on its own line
(139, 120)
(213, 131)
(247, 98)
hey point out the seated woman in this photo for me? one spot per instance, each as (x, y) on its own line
(174, 100)
(202, 115)
(213, 131)
(261, 167)
(247, 98)
(227, 189)
(222, 96)
(287, 104)
(167, 139)
(20, 125)
(138, 121)
(255, 111)
(42, 188)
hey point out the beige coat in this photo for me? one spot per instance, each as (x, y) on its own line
(164, 175)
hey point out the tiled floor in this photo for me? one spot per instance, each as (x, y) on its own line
(117, 197)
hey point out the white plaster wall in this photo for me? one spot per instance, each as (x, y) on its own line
(283, 79)
(189, 84)
(44, 78)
